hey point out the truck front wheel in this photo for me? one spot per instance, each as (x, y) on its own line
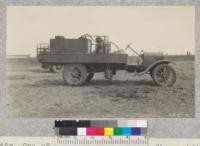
(164, 75)
(75, 74)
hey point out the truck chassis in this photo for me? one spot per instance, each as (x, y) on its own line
(80, 67)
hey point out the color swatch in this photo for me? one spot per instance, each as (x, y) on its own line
(100, 128)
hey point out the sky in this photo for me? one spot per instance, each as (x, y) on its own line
(167, 29)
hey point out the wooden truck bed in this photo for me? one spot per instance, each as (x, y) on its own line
(82, 58)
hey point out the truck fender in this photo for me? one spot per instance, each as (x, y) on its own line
(155, 64)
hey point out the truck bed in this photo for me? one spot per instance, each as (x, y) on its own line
(82, 58)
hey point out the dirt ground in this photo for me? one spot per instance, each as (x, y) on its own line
(34, 92)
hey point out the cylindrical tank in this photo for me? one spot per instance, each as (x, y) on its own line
(157, 55)
(151, 57)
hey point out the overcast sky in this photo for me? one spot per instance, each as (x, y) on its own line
(159, 28)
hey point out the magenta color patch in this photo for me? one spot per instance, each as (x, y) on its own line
(90, 131)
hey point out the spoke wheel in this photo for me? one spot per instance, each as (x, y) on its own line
(89, 77)
(164, 75)
(56, 68)
(75, 74)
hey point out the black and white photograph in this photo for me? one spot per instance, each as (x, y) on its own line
(100, 61)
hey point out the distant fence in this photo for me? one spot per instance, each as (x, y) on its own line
(21, 59)
(18, 56)
(180, 57)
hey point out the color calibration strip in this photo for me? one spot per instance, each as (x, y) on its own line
(101, 132)
(101, 128)
(101, 123)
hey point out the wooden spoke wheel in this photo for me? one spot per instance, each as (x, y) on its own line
(89, 77)
(164, 75)
(56, 68)
(75, 74)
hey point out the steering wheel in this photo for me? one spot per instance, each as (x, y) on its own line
(128, 46)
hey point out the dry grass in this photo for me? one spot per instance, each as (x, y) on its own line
(34, 92)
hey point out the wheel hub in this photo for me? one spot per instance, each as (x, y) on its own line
(75, 73)
(58, 67)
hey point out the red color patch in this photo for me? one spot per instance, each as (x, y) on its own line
(99, 131)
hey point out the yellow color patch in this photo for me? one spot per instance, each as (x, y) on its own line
(108, 131)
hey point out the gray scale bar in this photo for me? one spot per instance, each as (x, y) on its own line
(104, 123)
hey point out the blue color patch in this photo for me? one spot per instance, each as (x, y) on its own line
(126, 131)
(136, 131)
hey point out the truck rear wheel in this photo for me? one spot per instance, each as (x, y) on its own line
(75, 74)
(56, 68)
(164, 75)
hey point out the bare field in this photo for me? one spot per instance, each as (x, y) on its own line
(34, 92)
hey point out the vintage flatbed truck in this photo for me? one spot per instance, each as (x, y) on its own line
(79, 59)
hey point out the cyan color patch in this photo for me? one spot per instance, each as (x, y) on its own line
(126, 131)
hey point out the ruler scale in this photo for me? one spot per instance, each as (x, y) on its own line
(101, 132)
(118, 140)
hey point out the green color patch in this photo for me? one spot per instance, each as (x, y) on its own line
(117, 131)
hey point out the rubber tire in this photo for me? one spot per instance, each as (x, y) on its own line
(67, 74)
(89, 77)
(54, 68)
(155, 78)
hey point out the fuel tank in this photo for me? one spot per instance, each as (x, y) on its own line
(151, 57)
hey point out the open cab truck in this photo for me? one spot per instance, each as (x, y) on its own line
(79, 59)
